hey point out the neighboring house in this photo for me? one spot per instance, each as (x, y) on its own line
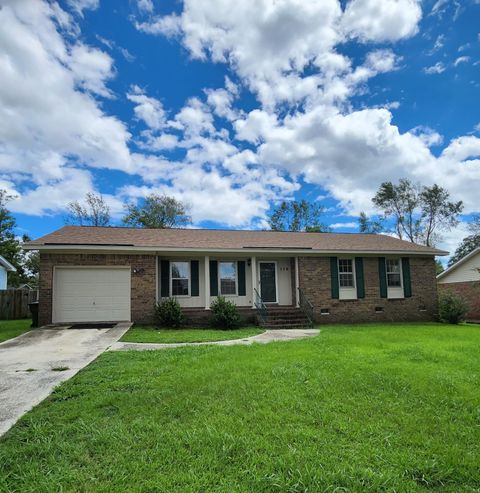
(109, 274)
(5, 268)
(463, 278)
(26, 286)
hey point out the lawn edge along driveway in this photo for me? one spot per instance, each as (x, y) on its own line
(33, 364)
(264, 338)
(147, 334)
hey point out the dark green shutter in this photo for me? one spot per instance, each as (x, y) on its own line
(164, 278)
(213, 278)
(359, 277)
(407, 282)
(382, 276)
(334, 277)
(194, 288)
(242, 288)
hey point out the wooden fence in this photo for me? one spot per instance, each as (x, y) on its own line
(14, 303)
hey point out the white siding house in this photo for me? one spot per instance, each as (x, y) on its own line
(5, 268)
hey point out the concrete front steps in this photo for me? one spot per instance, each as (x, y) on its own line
(285, 317)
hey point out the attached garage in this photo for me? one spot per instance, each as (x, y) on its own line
(91, 294)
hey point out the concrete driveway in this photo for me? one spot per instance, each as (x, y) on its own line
(33, 364)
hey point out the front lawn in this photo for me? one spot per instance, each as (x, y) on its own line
(151, 334)
(393, 408)
(13, 328)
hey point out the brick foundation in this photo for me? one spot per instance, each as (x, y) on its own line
(470, 292)
(315, 280)
(143, 289)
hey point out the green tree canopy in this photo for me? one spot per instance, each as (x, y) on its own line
(11, 246)
(467, 245)
(94, 211)
(419, 213)
(157, 211)
(298, 216)
(369, 225)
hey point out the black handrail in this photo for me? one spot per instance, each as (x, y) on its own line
(305, 306)
(261, 307)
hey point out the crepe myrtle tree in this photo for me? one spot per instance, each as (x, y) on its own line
(298, 216)
(157, 211)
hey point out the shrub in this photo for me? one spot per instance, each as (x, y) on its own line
(224, 314)
(168, 313)
(451, 308)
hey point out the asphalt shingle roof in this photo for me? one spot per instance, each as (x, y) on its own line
(212, 239)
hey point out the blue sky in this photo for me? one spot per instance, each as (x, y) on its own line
(233, 106)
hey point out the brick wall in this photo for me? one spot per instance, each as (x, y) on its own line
(315, 280)
(470, 292)
(143, 288)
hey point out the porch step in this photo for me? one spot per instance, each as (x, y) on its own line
(287, 326)
(284, 318)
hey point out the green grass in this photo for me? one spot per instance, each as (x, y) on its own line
(357, 409)
(13, 328)
(151, 334)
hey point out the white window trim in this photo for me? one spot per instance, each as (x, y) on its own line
(276, 280)
(347, 293)
(189, 279)
(219, 278)
(395, 292)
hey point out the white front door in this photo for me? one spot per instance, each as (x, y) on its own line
(91, 294)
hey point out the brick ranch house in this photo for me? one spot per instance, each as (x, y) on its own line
(112, 274)
(463, 278)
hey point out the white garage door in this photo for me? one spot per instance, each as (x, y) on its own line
(90, 294)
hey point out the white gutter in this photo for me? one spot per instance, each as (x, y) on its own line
(257, 251)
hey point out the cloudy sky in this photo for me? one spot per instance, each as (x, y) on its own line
(232, 106)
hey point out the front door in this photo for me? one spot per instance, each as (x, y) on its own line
(268, 281)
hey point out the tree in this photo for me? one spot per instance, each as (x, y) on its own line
(369, 225)
(467, 245)
(419, 213)
(400, 202)
(10, 245)
(474, 225)
(437, 212)
(93, 212)
(438, 267)
(298, 216)
(157, 211)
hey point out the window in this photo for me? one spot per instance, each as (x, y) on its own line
(345, 273)
(394, 278)
(227, 273)
(180, 275)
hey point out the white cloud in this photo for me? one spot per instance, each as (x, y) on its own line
(92, 68)
(427, 135)
(145, 5)
(147, 109)
(80, 5)
(47, 120)
(271, 49)
(438, 68)
(461, 59)
(351, 225)
(382, 20)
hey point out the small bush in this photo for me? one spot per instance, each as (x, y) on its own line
(451, 308)
(168, 313)
(224, 314)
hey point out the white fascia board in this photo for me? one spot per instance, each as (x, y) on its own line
(459, 263)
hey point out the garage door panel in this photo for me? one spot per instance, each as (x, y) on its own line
(91, 294)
